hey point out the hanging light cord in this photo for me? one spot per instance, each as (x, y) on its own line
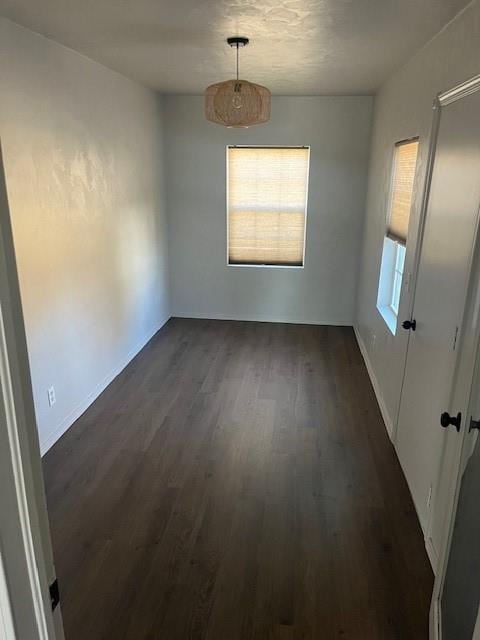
(237, 59)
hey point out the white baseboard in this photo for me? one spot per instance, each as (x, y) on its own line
(249, 318)
(376, 387)
(58, 430)
(431, 552)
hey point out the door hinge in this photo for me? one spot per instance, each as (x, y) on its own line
(455, 339)
(54, 594)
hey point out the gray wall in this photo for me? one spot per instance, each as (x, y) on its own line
(83, 153)
(338, 131)
(403, 108)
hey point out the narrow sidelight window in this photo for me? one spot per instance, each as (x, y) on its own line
(267, 205)
(394, 245)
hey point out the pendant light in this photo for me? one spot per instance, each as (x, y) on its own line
(237, 103)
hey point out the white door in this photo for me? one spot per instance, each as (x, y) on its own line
(461, 590)
(440, 297)
(26, 565)
(476, 632)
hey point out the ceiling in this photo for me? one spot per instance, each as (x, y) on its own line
(298, 47)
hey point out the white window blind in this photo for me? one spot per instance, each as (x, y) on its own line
(267, 201)
(402, 189)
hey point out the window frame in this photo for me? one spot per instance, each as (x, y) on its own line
(397, 277)
(390, 277)
(385, 284)
(227, 180)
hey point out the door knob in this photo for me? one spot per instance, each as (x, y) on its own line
(474, 424)
(446, 420)
(409, 324)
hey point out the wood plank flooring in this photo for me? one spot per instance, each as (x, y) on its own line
(236, 482)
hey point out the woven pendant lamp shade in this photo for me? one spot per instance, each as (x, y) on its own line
(237, 103)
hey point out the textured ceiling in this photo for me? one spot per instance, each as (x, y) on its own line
(297, 46)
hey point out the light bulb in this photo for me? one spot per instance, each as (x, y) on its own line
(237, 101)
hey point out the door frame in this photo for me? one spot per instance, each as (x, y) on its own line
(458, 447)
(27, 565)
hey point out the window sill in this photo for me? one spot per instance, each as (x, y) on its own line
(267, 266)
(389, 316)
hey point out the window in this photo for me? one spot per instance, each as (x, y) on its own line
(394, 245)
(267, 205)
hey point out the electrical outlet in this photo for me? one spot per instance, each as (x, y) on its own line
(429, 498)
(51, 396)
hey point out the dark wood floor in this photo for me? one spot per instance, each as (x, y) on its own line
(236, 482)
